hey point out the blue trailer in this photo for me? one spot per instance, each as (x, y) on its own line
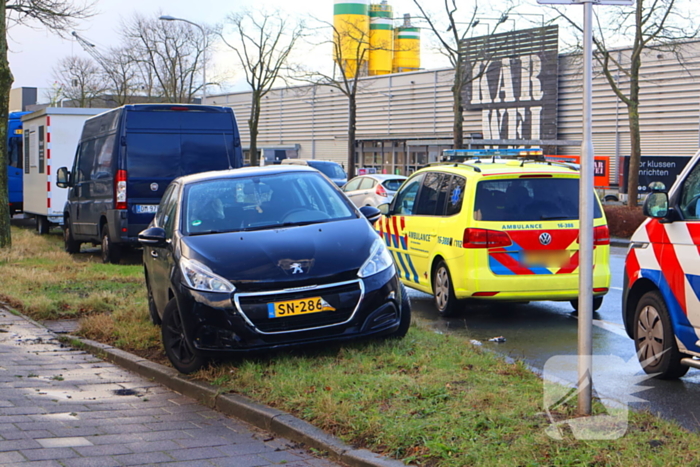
(15, 160)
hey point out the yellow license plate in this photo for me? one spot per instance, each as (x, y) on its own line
(297, 307)
(547, 259)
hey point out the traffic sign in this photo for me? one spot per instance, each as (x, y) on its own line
(595, 2)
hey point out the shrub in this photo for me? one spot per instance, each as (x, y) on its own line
(623, 220)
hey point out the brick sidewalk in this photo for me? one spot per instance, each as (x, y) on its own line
(62, 407)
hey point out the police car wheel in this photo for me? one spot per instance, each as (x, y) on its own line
(175, 344)
(654, 339)
(443, 292)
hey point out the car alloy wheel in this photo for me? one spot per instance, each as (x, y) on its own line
(654, 339)
(175, 343)
(110, 252)
(445, 300)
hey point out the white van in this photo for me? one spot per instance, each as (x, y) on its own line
(661, 296)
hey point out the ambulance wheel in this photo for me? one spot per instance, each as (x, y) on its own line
(111, 253)
(597, 303)
(654, 339)
(443, 291)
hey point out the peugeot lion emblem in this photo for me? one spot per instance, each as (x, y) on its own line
(154, 187)
(545, 238)
(296, 268)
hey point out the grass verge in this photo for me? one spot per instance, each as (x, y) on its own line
(429, 399)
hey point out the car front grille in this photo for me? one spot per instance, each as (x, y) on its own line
(345, 297)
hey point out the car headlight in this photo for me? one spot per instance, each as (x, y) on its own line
(379, 260)
(199, 277)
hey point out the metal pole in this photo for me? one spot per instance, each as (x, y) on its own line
(585, 286)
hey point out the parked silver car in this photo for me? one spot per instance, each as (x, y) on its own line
(373, 190)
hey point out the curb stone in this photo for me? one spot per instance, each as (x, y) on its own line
(236, 405)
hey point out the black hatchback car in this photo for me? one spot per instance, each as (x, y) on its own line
(266, 258)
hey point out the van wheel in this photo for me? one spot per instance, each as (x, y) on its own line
(42, 225)
(654, 338)
(70, 245)
(597, 303)
(443, 291)
(176, 347)
(111, 253)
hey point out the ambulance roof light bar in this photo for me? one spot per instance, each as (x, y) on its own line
(518, 153)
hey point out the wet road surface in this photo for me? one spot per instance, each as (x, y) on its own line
(540, 330)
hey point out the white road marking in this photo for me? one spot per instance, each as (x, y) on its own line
(615, 328)
(616, 288)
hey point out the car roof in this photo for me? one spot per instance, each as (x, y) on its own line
(505, 167)
(245, 172)
(382, 177)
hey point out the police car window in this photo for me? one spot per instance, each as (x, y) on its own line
(455, 196)
(532, 199)
(428, 197)
(690, 197)
(406, 198)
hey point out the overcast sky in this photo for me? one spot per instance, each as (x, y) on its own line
(34, 52)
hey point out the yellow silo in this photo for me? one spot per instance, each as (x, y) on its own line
(406, 47)
(351, 36)
(381, 39)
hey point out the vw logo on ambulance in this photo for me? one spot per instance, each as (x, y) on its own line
(545, 238)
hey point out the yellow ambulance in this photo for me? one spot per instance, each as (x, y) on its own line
(493, 225)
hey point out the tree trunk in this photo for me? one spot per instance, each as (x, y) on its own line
(253, 128)
(458, 124)
(5, 85)
(352, 118)
(635, 156)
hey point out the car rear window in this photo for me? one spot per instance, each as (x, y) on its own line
(393, 184)
(528, 199)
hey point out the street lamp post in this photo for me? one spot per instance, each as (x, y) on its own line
(204, 50)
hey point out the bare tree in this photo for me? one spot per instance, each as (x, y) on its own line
(170, 51)
(80, 80)
(650, 24)
(265, 40)
(121, 72)
(350, 50)
(449, 29)
(57, 16)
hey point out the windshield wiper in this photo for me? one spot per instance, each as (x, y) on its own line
(556, 218)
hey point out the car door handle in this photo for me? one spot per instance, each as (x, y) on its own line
(154, 254)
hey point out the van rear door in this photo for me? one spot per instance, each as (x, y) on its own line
(165, 143)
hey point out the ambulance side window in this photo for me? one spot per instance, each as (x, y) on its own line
(690, 194)
(428, 197)
(405, 200)
(456, 195)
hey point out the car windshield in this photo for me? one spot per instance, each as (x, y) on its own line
(329, 169)
(261, 202)
(528, 199)
(393, 184)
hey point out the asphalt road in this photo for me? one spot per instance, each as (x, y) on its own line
(540, 330)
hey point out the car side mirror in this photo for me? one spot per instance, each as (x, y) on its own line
(63, 178)
(371, 213)
(656, 205)
(152, 236)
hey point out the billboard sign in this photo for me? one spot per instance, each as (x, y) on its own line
(512, 78)
(663, 169)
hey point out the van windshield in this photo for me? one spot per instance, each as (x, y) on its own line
(529, 199)
(329, 169)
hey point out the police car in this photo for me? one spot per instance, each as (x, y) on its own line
(499, 225)
(661, 304)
